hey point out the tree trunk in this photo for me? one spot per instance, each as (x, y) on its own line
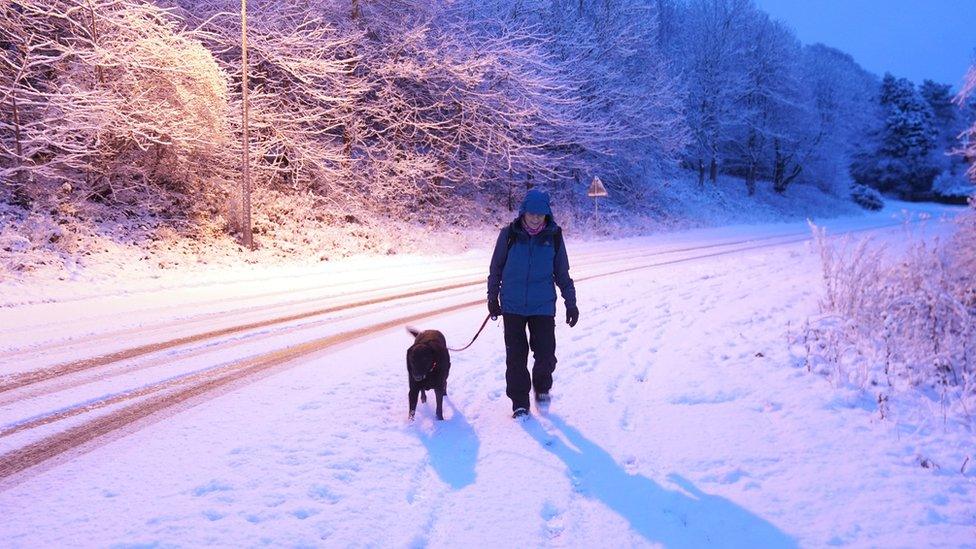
(346, 141)
(782, 179)
(94, 33)
(355, 10)
(751, 180)
(701, 173)
(511, 184)
(778, 166)
(713, 171)
(787, 179)
(20, 150)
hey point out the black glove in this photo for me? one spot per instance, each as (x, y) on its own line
(494, 308)
(572, 316)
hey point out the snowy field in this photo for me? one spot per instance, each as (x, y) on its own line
(268, 407)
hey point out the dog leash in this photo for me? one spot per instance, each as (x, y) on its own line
(483, 324)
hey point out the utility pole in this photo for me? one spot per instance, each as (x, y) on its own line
(246, 189)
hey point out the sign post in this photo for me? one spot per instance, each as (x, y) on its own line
(596, 190)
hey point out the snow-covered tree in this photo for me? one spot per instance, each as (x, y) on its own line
(845, 109)
(408, 107)
(949, 123)
(627, 118)
(396, 106)
(968, 137)
(747, 103)
(901, 158)
(772, 134)
(108, 97)
(706, 42)
(303, 90)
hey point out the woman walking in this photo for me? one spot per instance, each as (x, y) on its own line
(528, 262)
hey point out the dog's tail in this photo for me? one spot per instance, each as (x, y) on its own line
(413, 331)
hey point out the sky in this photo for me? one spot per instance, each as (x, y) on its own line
(915, 39)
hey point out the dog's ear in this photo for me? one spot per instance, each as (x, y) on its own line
(413, 331)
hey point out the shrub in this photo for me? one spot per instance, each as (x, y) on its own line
(128, 103)
(955, 185)
(866, 197)
(905, 324)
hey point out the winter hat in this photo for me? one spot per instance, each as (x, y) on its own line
(536, 202)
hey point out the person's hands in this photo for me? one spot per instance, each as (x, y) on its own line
(572, 316)
(494, 308)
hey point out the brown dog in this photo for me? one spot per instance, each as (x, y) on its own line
(428, 365)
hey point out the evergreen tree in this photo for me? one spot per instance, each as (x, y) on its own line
(900, 158)
(948, 124)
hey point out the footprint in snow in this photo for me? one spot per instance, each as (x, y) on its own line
(212, 486)
(631, 465)
(212, 515)
(692, 399)
(554, 520)
(730, 476)
(770, 407)
(303, 513)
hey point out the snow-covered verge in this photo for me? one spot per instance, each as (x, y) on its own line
(678, 202)
(899, 325)
(682, 203)
(70, 247)
(681, 418)
(96, 246)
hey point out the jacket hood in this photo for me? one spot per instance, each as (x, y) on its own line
(536, 202)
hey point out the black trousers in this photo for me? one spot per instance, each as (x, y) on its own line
(542, 341)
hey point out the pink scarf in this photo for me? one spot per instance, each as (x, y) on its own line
(533, 230)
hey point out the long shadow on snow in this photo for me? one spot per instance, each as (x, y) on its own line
(453, 448)
(660, 515)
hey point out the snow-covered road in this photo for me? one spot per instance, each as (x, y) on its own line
(680, 417)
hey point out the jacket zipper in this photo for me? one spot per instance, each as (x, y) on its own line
(528, 274)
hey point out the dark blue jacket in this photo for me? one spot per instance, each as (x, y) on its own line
(526, 273)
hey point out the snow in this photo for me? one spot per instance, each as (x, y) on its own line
(681, 417)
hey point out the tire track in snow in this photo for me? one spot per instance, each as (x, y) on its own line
(31, 455)
(209, 316)
(120, 368)
(15, 381)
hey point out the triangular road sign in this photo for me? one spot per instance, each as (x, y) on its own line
(596, 188)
